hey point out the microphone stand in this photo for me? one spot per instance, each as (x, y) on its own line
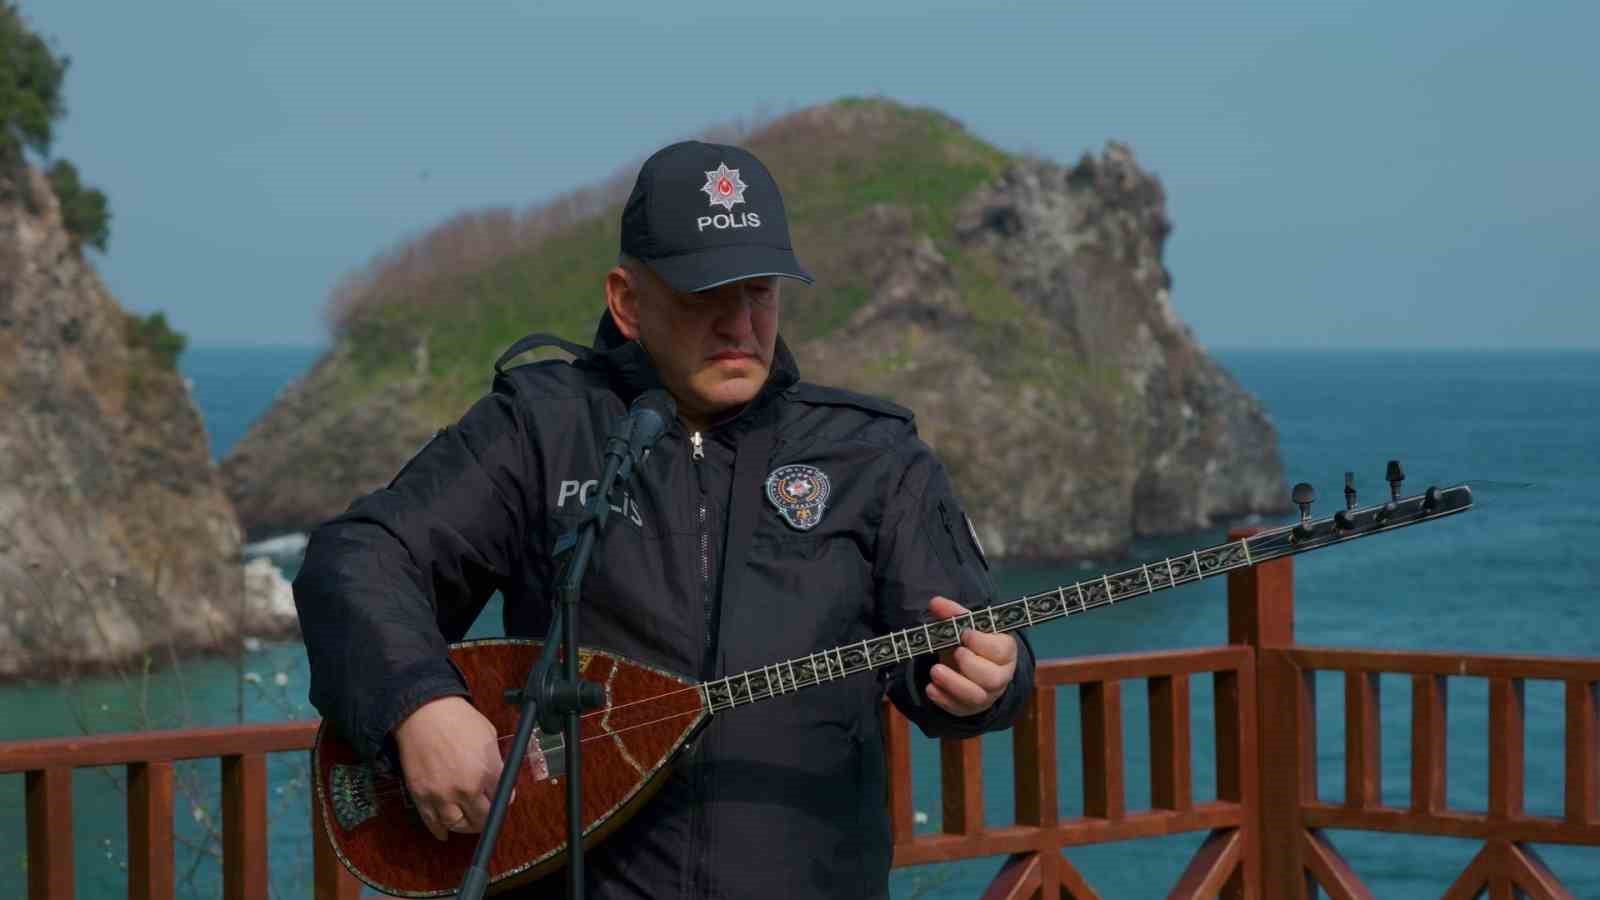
(555, 703)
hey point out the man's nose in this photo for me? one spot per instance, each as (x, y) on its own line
(737, 313)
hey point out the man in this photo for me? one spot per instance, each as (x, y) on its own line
(844, 528)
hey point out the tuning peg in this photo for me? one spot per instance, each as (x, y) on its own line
(1395, 475)
(1303, 495)
(1341, 519)
(1430, 499)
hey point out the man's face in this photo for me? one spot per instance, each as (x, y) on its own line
(713, 349)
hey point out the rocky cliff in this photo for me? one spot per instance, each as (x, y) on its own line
(1020, 307)
(116, 538)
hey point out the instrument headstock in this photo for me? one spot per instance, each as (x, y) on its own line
(1355, 521)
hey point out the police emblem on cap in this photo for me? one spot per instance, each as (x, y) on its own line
(724, 187)
(800, 493)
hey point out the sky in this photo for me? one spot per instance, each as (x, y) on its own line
(1340, 174)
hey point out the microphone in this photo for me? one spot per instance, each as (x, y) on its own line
(651, 412)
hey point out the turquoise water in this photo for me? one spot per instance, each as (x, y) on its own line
(1516, 575)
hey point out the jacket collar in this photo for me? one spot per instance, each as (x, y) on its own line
(631, 371)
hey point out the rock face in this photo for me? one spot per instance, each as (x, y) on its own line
(318, 448)
(1028, 322)
(1074, 409)
(116, 538)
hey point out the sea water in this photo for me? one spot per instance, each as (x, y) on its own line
(1516, 575)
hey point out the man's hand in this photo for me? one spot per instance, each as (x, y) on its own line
(968, 679)
(450, 756)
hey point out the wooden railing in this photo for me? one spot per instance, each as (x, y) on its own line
(149, 758)
(1505, 864)
(1034, 841)
(1264, 831)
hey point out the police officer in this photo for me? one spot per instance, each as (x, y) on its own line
(775, 518)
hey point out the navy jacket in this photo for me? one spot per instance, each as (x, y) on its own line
(779, 799)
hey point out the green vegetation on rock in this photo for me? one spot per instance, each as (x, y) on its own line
(30, 88)
(30, 102)
(84, 212)
(152, 334)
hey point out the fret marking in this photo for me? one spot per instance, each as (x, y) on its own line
(1027, 610)
(1082, 603)
(1148, 586)
(928, 636)
(840, 657)
(1246, 545)
(1109, 597)
(1198, 572)
(705, 696)
(1061, 594)
(793, 681)
(866, 655)
(749, 694)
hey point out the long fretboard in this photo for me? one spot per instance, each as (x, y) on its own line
(1105, 590)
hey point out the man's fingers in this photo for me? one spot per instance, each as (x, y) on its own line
(943, 701)
(991, 676)
(958, 687)
(445, 819)
(1000, 648)
(477, 816)
(945, 608)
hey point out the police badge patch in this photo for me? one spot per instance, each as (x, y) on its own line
(800, 493)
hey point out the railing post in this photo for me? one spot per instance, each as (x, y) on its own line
(151, 872)
(1261, 615)
(244, 827)
(1583, 751)
(1033, 766)
(961, 784)
(897, 753)
(1171, 762)
(50, 833)
(1507, 744)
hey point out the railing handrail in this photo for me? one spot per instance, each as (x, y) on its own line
(1444, 662)
(122, 748)
(1147, 664)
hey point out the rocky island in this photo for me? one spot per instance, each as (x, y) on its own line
(1021, 307)
(117, 540)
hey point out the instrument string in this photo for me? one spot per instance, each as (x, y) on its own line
(560, 743)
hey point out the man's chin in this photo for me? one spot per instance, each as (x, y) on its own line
(730, 393)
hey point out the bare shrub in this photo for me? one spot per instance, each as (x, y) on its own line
(418, 270)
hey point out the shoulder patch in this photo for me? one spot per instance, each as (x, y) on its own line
(818, 395)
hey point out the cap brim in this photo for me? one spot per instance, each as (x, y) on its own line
(703, 270)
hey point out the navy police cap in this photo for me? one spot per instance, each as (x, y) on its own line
(702, 215)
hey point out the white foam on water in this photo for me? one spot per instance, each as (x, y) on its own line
(281, 545)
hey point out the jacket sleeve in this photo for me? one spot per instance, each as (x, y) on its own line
(925, 548)
(386, 585)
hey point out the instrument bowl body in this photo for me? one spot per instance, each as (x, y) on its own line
(649, 715)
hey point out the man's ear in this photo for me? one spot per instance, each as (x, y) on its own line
(622, 298)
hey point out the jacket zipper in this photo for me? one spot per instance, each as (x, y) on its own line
(697, 442)
(699, 825)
